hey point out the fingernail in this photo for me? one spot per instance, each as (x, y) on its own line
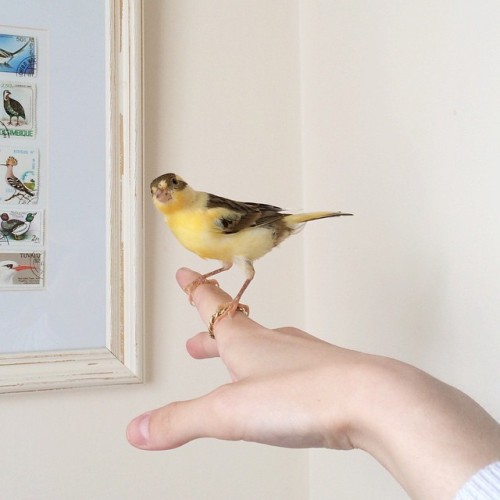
(138, 431)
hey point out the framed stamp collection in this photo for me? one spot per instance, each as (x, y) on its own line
(71, 195)
(22, 220)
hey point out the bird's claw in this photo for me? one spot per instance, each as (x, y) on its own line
(226, 310)
(189, 289)
(234, 306)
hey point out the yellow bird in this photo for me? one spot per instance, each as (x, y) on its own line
(233, 232)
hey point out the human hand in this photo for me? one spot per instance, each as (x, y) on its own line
(288, 388)
(292, 389)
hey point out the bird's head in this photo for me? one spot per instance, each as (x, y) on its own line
(8, 268)
(168, 191)
(10, 162)
(14, 266)
(6, 94)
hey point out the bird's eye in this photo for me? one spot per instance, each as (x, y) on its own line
(9, 266)
(174, 181)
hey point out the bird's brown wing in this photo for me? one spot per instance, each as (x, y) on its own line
(18, 108)
(18, 185)
(268, 213)
(237, 215)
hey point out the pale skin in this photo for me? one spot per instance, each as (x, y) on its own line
(292, 389)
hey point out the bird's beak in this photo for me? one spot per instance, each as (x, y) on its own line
(163, 195)
(23, 268)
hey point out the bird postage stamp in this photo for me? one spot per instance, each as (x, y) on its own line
(18, 54)
(19, 182)
(20, 271)
(17, 115)
(21, 228)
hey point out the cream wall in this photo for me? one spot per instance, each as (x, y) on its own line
(221, 108)
(386, 109)
(401, 125)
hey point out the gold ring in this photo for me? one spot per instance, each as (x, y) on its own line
(189, 289)
(221, 311)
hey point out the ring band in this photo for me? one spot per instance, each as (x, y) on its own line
(221, 311)
(189, 289)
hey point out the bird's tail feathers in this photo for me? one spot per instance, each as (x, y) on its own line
(293, 219)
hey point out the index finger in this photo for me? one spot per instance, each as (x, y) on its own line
(207, 298)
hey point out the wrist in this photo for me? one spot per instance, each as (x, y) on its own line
(430, 436)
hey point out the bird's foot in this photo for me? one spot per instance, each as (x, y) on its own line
(189, 289)
(234, 305)
(226, 310)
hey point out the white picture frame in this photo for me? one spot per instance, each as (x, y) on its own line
(121, 360)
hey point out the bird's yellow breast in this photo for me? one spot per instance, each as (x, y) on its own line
(197, 230)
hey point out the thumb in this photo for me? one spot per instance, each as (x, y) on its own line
(179, 422)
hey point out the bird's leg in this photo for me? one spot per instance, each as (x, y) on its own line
(231, 307)
(235, 303)
(202, 280)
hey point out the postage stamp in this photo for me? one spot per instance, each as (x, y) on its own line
(18, 54)
(17, 114)
(21, 228)
(19, 182)
(21, 270)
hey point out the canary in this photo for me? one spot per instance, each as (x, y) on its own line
(233, 232)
